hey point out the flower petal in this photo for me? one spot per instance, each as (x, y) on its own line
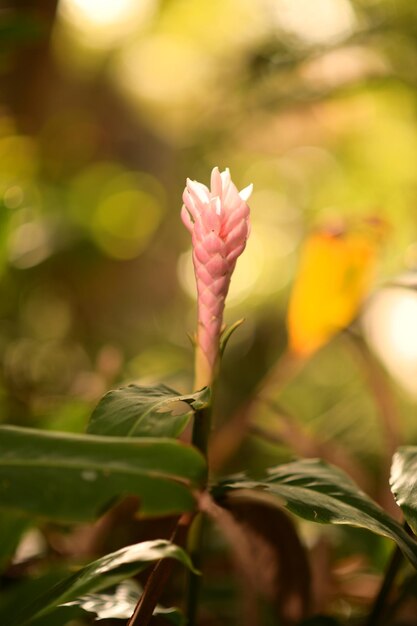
(246, 193)
(198, 191)
(186, 219)
(216, 183)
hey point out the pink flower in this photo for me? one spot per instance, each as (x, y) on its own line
(218, 220)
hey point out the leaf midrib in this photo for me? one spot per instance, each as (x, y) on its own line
(118, 469)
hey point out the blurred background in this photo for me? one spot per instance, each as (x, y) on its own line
(106, 107)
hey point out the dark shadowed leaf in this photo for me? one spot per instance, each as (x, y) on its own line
(70, 477)
(403, 482)
(12, 527)
(105, 572)
(30, 589)
(322, 493)
(280, 561)
(135, 411)
(120, 603)
(320, 620)
(61, 616)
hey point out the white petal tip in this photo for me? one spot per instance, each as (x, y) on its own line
(245, 194)
(199, 190)
(225, 176)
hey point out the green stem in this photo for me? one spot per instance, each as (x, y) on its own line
(195, 546)
(163, 569)
(201, 429)
(200, 437)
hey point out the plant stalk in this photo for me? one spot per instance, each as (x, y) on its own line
(195, 546)
(158, 578)
(380, 602)
(200, 437)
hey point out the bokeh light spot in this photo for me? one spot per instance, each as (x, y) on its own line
(390, 326)
(119, 209)
(29, 244)
(154, 69)
(102, 23)
(318, 22)
(123, 222)
(13, 197)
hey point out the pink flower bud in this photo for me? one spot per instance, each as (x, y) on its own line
(218, 220)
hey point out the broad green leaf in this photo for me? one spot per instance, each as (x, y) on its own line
(403, 482)
(135, 411)
(319, 492)
(120, 603)
(105, 572)
(72, 478)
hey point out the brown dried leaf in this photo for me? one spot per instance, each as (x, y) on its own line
(268, 552)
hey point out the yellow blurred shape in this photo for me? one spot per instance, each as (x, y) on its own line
(120, 209)
(176, 73)
(123, 222)
(18, 159)
(149, 69)
(334, 276)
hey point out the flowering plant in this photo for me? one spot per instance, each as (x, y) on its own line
(138, 444)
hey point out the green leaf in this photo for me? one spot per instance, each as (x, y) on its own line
(403, 482)
(67, 477)
(227, 333)
(135, 411)
(120, 603)
(30, 589)
(109, 570)
(12, 527)
(319, 492)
